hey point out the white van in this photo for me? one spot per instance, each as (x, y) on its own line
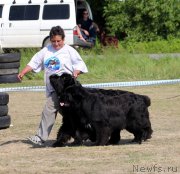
(26, 23)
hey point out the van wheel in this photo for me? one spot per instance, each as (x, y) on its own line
(10, 78)
(4, 98)
(5, 122)
(10, 50)
(11, 57)
(3, 110)
(46, 42)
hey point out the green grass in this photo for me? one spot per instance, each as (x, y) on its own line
(114, 65)
(171, 45)
(129, 67)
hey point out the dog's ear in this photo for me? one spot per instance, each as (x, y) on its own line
(69, 89)
(73, 89)
(53, 79)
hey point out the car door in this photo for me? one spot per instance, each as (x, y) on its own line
(62, 14)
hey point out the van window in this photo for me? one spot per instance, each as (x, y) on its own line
(24, 12)
(1, 8)
(52, 12)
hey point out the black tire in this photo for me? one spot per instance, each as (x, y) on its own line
(9, 71)
(5, 122)
(9, 65)
(11, 57)
(10, 50)
(12, 78)
(4, 98)
(3, 110)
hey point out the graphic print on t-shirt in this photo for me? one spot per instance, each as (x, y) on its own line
(52, 64)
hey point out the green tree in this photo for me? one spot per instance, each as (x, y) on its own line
(143, 20)
(97, 8)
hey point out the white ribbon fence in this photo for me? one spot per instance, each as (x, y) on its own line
(99, 85)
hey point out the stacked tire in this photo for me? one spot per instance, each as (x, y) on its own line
(5, 119)
(9, 67)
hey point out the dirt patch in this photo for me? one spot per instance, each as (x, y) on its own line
(158, 155)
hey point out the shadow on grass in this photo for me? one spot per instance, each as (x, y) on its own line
(49, 143)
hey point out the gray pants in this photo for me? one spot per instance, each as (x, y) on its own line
(48, 117)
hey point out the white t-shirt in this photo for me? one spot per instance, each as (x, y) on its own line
(52, 61)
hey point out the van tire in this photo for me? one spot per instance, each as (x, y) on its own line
(11, 57)
(10, 78)
(9, 71)
(10, 65)
(3, 110)
(10, 50)
(4, 98)
(5, 122)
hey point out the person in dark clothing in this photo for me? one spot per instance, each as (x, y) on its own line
(87, 28)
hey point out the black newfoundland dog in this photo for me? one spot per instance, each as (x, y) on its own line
(70, 120)
(106, 112)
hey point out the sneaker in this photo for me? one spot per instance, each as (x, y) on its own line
(36, 140)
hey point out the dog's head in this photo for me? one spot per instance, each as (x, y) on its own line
(60, 83)
(72, 96)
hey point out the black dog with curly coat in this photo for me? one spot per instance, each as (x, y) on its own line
(70, 121)
(72, 126)
(108, 114)
(135, 121)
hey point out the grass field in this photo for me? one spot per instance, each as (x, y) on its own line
(158, 155)
(107, 64)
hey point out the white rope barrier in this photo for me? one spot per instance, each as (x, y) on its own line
(98, 85)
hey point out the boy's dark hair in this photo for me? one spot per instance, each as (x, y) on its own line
(57, 30)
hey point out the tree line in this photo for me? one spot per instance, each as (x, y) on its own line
(139, 20)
